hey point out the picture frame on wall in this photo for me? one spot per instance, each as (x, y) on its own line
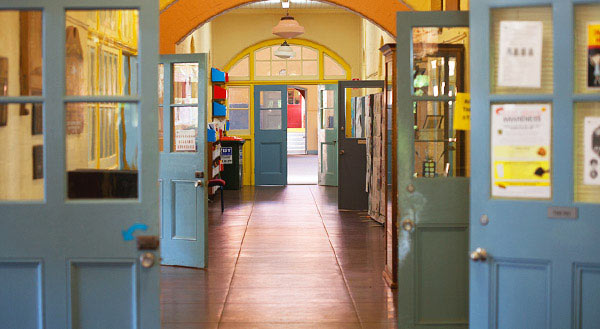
(3, 90)
(38, 161)
(37, 119)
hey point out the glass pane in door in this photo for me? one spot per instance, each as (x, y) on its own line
(435, 71)
(110, 133)
(112, 33)
(185, 129)
(185, 83)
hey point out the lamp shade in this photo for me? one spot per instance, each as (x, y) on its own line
(288, 28)
(284, 51)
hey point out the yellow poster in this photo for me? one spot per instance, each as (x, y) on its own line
(521, 145)
(594, 55)
(462, 112)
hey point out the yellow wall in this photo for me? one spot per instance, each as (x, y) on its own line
(238, 29)
(16, 141)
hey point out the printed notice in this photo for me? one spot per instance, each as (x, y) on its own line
(520, 54)
(462, 112)
(591, 147)
(226, 155)
(185, 140)
(521, 145)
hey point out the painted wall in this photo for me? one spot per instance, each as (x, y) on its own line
(236, 30)
(372, 59)
(312, 115)
(16, 140)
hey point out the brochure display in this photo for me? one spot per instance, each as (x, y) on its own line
(521, 151)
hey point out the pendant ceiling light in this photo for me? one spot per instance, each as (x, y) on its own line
(284, 51)
(288, 28)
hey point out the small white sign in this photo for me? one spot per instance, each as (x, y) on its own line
(226, 155)
(520, 54)
(591, 144)
(185, 140)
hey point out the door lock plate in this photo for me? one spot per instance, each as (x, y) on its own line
(147, 242)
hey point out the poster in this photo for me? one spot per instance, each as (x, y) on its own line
(593, 31)
(226, 155)
(591, 153)
(521, 146)
(462, 112)
(520, 54)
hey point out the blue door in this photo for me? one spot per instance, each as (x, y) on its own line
(78, 184)
(538, 227)
(270, 133)
(433, 183)
(182, 159)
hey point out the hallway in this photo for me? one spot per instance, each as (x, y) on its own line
(283, 257)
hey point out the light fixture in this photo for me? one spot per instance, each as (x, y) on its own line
(288, 28)
(285, 4)
(284, 51)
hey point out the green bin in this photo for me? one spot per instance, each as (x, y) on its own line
(232, 159)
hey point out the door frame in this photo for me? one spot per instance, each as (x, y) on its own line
(302, 89)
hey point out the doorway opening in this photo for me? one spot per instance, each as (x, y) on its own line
(302, 157)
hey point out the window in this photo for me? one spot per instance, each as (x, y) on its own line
(239, 109)
(304, 65)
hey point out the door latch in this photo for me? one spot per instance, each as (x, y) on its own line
(147, 242)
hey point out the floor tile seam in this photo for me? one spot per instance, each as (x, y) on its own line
(337, 261)
(236, 262)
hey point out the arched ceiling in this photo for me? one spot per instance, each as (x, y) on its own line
(179, 17)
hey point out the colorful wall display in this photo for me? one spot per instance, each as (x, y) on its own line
(591, 143)
(594, 55)
(521, 151)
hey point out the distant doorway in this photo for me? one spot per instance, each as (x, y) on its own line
(303, 169)
(302, 164)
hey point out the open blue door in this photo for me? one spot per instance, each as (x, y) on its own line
(182, 159)
(535, 198)
(79, 165)
(270, 135)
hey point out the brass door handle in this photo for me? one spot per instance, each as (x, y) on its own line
(341, 152)
(198, 183)
(479, 255)
(408, 225)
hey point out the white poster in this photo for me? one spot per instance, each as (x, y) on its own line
(521, 146)
(520, 54)
(185, 140)
(227, 155)
(591, 144)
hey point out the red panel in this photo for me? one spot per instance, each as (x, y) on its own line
(219, 92)
(294, 116)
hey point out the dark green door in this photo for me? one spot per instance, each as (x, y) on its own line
(433, 190)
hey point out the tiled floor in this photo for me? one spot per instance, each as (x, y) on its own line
(283, 258)
(303, 169)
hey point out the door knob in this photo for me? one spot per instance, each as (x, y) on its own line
(147, 259)
(408, 225)
(342, 152)
(479, 255)
(198, 183)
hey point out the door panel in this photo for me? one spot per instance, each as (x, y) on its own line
(70, 260)
(183, 201)
(270, 132)
(433, 198)
(352, 160)
(542, 261)
(327, 135)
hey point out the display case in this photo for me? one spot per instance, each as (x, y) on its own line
(390, 272)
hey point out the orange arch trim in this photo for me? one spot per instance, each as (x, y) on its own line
(183, 16)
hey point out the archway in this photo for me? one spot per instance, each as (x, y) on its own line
(179, 17)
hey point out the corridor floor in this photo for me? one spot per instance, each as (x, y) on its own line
(283, 257)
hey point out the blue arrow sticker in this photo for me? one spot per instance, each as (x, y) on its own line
(128, 234)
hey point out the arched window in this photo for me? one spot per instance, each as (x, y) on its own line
(310, 62)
